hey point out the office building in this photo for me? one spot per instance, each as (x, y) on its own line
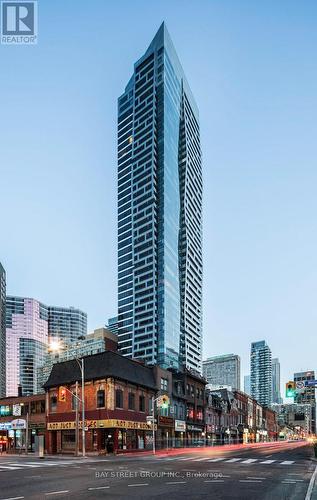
(66, 323)
(261, 373)
(27, 341)
(247, 384)
(308, 394)
(296, 416)
(223, 371)
(112, 325)
(159, 213)
(30, 327)
(2, 332)
(276, 381)
(99, 340)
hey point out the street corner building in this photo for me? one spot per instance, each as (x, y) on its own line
(118, 397)
(159, 213)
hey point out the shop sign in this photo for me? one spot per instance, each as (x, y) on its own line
(18, 423)
(180, 426)
(94, 424)
(165, 421)
(194, 428)
(4, 426)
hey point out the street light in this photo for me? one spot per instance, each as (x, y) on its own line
(56, 345)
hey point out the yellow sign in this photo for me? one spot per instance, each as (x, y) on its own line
(99, 424)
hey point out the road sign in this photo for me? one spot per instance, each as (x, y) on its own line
(16, 410)
(300, 385)
(310, 383)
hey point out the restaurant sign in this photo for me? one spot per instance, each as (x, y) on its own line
(99, 424)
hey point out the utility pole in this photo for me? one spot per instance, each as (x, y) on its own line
(153, 424)
(27, 433)
(77, 423)
(83, 406)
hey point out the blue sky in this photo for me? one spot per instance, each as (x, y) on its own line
(252, 68)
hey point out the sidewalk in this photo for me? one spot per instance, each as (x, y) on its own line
(312, 489)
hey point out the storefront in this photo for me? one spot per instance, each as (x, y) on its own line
(102, 436)
(180, 433)
(165, 433)
(195, 435)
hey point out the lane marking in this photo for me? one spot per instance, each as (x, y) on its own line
(139, 484)
(267, 461)
(249, 477)
(99, 488)
(56, 492)
(250, 461)
(201, 459)
(311, 485)
(249, 481)
(233, 460)
(214, 481)
(217, 459)
(176, 482)
(12, 498)
(24, 465)
(287, 462)
(9, 468)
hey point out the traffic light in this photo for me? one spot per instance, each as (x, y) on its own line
(62, 394)
(165, 401)
(290, 389)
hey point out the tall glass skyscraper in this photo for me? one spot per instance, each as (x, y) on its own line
(30, 325)
(66, 323)
(27, 340)
(159, 212)
(2, 332)
(261, 372)
(276, 381)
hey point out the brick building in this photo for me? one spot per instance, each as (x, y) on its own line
(20, 415)
(118, 397)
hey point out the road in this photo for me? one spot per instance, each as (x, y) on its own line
(269, 471)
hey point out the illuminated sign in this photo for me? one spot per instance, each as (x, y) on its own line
(99, 424)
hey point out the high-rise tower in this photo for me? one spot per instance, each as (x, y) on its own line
(159, 212)
(261, 373)
(2, 332)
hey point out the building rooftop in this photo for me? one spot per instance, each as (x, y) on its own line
(98, 366)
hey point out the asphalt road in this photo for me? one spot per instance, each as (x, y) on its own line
(275, 471)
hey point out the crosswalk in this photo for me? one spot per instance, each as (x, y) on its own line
(16, 465)
(36, 465)
(235, 460)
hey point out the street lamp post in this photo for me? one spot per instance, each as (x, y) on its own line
(56, 346)
(82, 370)
(83, 406)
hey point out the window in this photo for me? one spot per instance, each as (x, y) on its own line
(53, 403)
(101, 398)
(74, 402)
(141, 403)
(131, 403)
(164, 383)
(119, 398)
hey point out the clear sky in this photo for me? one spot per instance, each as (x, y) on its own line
(252, 68)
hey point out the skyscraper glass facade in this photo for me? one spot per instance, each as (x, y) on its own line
(29, 327)
(261, 373)
(66, 323)
(159, 213)
(2, 332)
(27, 340)
(276, 381)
